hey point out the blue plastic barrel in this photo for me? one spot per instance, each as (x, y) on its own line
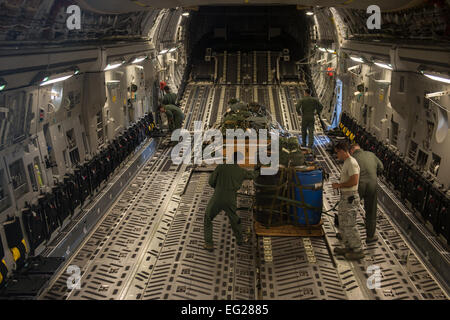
(312, 197)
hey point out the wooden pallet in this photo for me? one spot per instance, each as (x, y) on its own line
(289, 230)
(249, 149)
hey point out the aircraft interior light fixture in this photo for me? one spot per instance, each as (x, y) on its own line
(47, 79)
(164, 51)
(386, 82)
(139, 59)
(309, 13)
(172, 50)
(55, 80)
(384, 65)
(114, 65)
(3, 84)
(357, 59)
(437, 94)
(436, 76)
(323, 49)
(185, 14)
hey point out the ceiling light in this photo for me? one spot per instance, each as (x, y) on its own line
(55, 79)
(185, 14)
(3, 84)
(439, 78)
(357, 59)
(323, 49)
(310, 13)
(45, 78)
(114, 65)
(437, 94)
(164, 51)
(139, 59)
(173, 49)
(353, 68)
(384, 65)
(331, 51)
(382, 81)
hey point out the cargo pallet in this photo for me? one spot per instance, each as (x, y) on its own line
(284, 192)
(289, 230)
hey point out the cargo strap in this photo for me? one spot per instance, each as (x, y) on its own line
(298, 203)
(270, 186)
(19, 251)
(274, 186)
(3, 271)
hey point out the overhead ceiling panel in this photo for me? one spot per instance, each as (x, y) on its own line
(122, 6)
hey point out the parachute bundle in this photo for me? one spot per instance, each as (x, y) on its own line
(244, 116)
(290, 152)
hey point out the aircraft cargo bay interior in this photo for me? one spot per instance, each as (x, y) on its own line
(224, 150)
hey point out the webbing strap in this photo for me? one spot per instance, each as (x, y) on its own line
(16, 253)
(299, 204)
(3, 270)
(312, 187)
(275, 187)
(25, 245)
(19, 251)
(270, 186)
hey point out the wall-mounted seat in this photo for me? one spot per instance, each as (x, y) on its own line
(34, 223)
(20, 284)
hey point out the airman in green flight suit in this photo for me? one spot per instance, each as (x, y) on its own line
(174, 115)
(370, 167)
(169, 97)
(226, 180)
(306, 108)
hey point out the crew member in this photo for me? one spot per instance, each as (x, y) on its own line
(226, 180)
(169, 97)
(174, 115)
(307, 107)
(370, 166)
(349, 204)
(162, 85)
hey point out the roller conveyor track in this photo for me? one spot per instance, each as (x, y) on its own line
(113, 249)
(276, 104)
(290, 93)
(149, 243)
(232, 71)
(216, 99)
(262, 67)
(247, 68)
